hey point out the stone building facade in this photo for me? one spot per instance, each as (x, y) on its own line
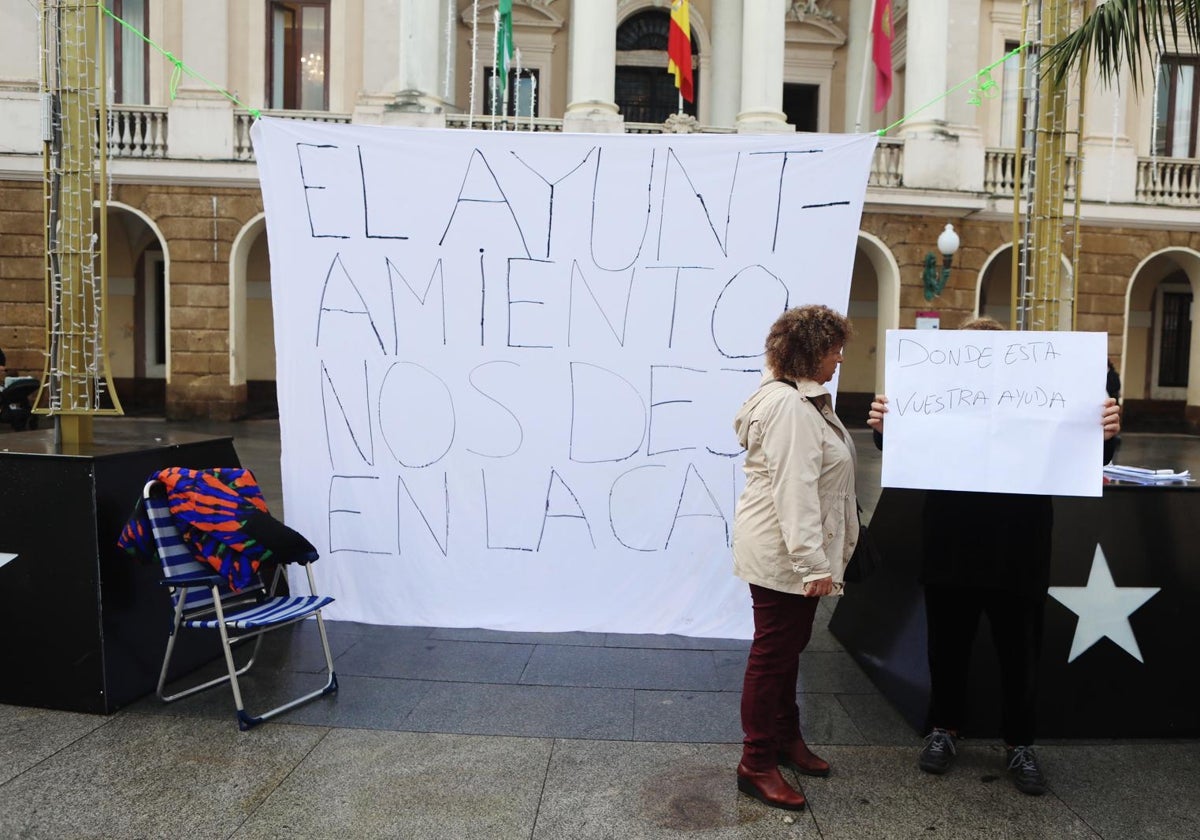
(190, 331)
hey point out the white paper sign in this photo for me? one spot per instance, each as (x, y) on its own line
(1002, 412)
(508, 363)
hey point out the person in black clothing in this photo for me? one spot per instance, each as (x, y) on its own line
(1006, 577)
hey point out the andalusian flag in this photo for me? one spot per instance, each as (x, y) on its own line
(679, 49)
(504, 41)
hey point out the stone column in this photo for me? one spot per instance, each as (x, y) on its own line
(200, 119)
(858, 65)
(726, 88)
(943, 146)
(1109, 158)
(763, 31)
(20, 100)
(591, 77)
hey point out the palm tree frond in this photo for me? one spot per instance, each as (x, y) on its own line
(1120, 32)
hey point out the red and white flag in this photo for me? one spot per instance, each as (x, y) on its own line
(881, 50)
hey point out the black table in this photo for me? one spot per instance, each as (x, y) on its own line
(84, 626)
(1149, 537)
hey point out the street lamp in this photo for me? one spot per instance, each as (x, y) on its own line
(934, 282)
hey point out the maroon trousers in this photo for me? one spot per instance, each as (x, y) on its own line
(770, 717)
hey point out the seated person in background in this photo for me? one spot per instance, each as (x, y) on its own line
(986, 553)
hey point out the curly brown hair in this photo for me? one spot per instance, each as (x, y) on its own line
(801, 337)
(981, 322)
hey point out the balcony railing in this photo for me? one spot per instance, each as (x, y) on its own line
(140, 131)
(480, 123)
(1168, 181)
(137, 131)
(243, 149)
(887, 167)
(1000, 170)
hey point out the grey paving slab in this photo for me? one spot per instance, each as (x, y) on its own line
(1139, 790)
(673, 642)
(469, 634)
(28, 736)
(153, 777)
(360, 703)
(621, 668)
(653, 790)
(696, 717)
(878, 721)
(298, 647)
(832, 671)
(382, 631)
(433, 659)
(527, 710)
(359, 784)
(821, 671)
(878, 792)
(715, 717)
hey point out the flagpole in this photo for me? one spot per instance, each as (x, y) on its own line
(474, 58)
(862, 89)
(681, 103)
(495, 53)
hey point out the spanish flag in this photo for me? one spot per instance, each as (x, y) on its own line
(679, 49)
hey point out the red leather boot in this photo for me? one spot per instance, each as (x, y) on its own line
(800, 758)
(770, 788)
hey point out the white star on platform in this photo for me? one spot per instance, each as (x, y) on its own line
(1103, 608)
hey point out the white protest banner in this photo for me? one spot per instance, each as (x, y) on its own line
(995, 411)
(508, 363)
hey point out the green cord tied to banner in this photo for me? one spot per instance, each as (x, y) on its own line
(180, 68)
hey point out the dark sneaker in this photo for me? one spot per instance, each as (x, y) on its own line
(1025, 772)
(938, 753)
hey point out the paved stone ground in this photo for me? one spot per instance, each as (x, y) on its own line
(440, 733)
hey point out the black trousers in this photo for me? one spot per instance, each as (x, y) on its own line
(952, 614)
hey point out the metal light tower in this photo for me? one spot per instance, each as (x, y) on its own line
(76, 380)
(1043, 287)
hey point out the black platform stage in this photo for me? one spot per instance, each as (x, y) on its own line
(84, 625)
(1092, 682)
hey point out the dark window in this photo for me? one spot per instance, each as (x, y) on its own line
(1176, 340)
(645, 91)
(127, 72)
(298, 55)
(160, 313)
(800, 105)
(523, 97)
(1177, 106)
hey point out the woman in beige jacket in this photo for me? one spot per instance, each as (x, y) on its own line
(794, 529)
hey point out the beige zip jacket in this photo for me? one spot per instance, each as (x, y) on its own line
(797, 518)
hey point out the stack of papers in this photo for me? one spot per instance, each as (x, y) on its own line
(1143, 475)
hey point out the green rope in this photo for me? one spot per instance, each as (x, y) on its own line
(989, 84)
(179, 68)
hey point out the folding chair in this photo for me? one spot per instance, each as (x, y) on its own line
(203, 600)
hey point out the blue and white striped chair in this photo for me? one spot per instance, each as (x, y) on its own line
(203, 601)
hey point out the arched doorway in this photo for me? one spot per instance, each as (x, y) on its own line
(874, 309)
(1159, 364)
(994, 292)
(252, 320)
(644, 91)
(137, 310)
